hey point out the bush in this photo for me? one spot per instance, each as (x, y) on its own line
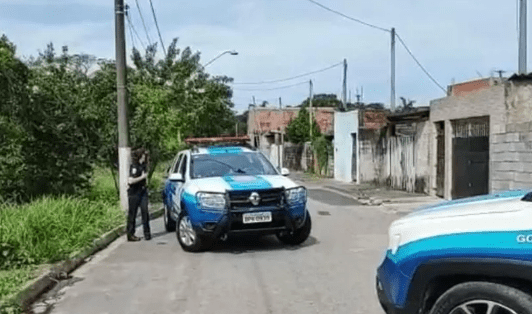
(103, 187)
(50, 229)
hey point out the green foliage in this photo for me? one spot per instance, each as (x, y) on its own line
(298, 130)
(62, 122)
(322, 100)
(103, 187)
(12, 166)
(11, 282)
(323, 149)
(50, 229)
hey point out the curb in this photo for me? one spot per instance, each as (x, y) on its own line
(33, 289)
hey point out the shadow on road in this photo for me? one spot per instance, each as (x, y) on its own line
(250, 244)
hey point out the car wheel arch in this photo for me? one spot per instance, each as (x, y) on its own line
(433, 279)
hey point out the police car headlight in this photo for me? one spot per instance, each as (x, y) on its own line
(296, 195)
(211, 201)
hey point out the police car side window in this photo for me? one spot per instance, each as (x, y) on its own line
(176, 166)
(183, 167)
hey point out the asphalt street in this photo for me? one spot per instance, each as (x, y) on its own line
(332, 272)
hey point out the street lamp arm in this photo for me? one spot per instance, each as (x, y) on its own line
(232, 52)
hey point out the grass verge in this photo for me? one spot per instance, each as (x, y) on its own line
(49, 230)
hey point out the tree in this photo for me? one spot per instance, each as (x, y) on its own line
(408, 106)
(13, 102)
(322, 100)
(298, 130)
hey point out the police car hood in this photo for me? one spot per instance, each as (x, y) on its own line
(241, 183)
(486, 204)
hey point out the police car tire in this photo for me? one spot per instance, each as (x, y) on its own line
(169, 223)
(298, 236)
(200, 243)
(510, 297)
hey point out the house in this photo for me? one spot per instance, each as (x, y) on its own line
(266, 126)
(396, 153)
(349, 128)
(482, 137)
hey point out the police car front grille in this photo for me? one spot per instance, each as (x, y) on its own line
(268, 198)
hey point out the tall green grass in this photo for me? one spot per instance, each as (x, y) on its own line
(50, 229)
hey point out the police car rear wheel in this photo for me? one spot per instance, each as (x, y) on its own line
(169, 223)
(299, 235)
(483, 298)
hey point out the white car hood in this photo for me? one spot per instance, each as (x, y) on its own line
(243, 182)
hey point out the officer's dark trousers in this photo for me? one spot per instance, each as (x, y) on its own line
(138, 197)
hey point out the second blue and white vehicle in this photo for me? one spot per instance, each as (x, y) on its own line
(212, 192)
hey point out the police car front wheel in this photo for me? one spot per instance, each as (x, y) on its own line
(298, 236)
(189, 240)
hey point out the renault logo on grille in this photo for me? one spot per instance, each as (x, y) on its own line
(254, 198)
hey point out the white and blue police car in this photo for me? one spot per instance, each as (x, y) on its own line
(467, 256)
(215, 191)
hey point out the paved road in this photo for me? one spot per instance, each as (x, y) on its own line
(333, 272)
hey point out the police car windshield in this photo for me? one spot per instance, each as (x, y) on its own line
(217, 165)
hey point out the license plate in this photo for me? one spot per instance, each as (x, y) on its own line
(251, 218)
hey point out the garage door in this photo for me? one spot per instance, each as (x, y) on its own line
(470, 157)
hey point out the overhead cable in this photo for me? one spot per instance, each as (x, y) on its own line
(134, 30)
(418, 63)
(157, 25)
(348, 17)
(143, 23)
(289, 78)
(267, 89)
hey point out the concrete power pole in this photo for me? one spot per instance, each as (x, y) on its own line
(522, 37)
(123, 132)
(344, 89)
(310, 109)
(392, 95)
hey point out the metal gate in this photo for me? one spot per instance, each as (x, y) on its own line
(470, 157)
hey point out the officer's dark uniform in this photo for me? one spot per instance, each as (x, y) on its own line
(138, 196)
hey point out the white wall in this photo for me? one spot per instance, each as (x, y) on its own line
(345, 123)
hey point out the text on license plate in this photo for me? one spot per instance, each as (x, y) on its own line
(251, 218)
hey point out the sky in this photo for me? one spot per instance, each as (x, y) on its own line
(455, 40)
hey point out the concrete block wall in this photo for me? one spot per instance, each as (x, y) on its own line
(511, 157)
(422, 161)
(481, 103)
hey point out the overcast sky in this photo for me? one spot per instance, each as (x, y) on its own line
(276, 39)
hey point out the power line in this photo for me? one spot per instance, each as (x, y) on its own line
(419, 64)
(131, 35)
(290, 78)
(143, 23)
(348, 17)
(266, 89)
(157, 25)
(131, 26)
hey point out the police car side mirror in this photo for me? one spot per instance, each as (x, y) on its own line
(176, 177)
(285, 172)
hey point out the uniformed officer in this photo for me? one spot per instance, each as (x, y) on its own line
(138, 194)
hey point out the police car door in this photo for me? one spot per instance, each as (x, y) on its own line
(171, 186)
(179, 185)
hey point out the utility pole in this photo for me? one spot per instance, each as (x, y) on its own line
(310, 109)
(522, 37)
(280, 103)
(344, 89)
(254, 104)
(123, 132)
(392, 96)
